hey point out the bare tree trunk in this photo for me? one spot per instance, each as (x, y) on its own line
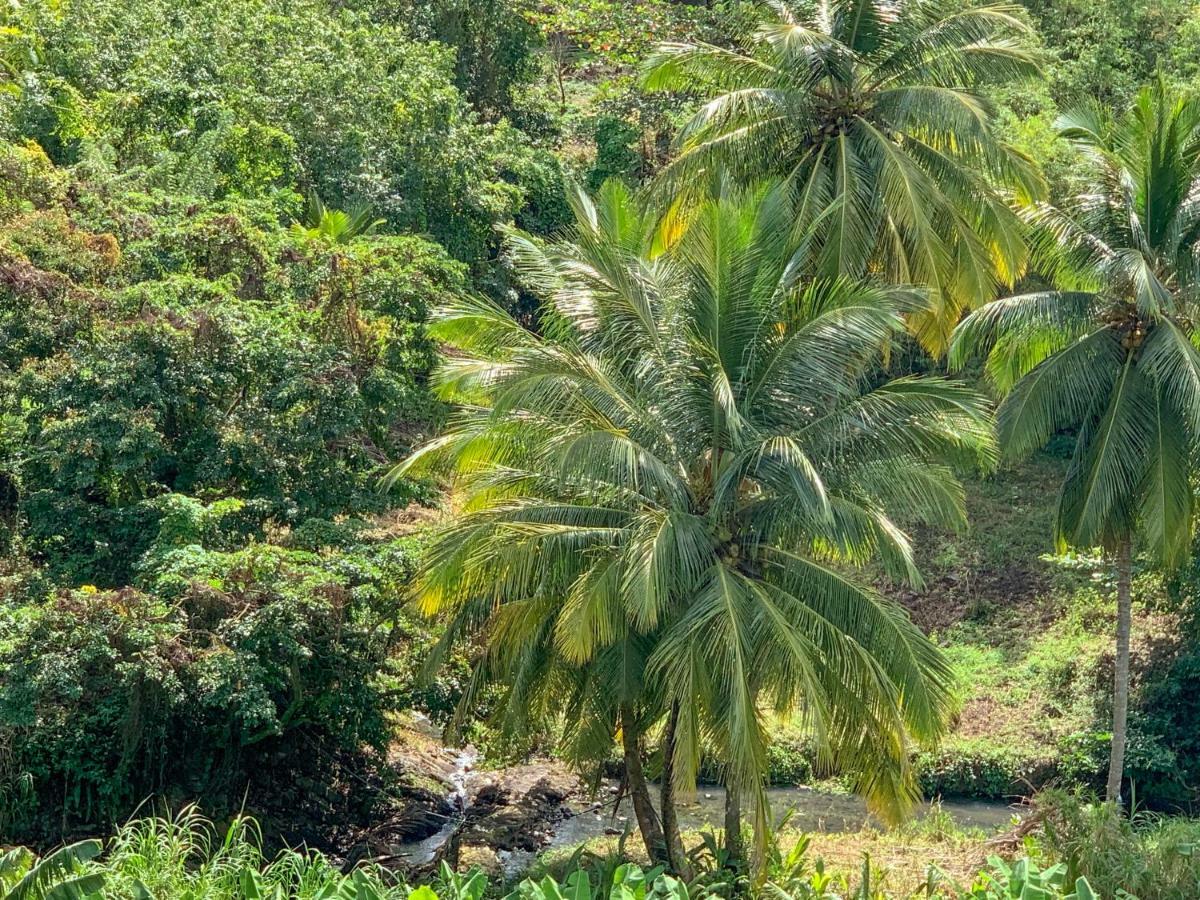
(676, 857)
(733, 823)
(1116, 765)
(639, 790)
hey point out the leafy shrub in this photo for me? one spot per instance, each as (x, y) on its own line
(228, 664)
(201, 350)
(980, 768)
(1082, 757)
(790, 762)
(28, 180)
(957, 768)
(1164, 753)
(616, 155)
(495, 44)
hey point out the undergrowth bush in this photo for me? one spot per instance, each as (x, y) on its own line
(1164, 741)
(212, 681)
(1143, 855)
(980, 768)
(186, 856)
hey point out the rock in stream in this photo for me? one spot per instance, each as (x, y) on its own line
(443, 809)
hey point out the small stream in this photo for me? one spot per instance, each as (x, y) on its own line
(812, 810)
(419, 853)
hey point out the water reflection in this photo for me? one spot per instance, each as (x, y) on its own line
(817, 811)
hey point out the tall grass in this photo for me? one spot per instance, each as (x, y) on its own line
(186, 858)
(1147, 856)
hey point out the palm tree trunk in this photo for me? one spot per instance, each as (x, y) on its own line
(733, 823)
(1116, 764)
(639, 790)
(676, 858)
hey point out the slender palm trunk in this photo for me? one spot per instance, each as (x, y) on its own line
(1116, 765)
(639, 790)
(733, 823)
(676, 857)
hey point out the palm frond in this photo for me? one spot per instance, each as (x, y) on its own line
(645, 493)
(866, 108)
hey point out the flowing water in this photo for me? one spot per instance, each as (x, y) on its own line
(419, 853)
(810, 810)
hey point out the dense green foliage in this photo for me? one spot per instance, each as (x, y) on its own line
(183, 378)
(1107, 51)
(200, 383)
(217, 99)
(224, 225)
(223, 665)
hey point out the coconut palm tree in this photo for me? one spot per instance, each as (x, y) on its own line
(876, 106)
(656, 498)
(1110, 354)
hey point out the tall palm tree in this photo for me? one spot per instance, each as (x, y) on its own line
(656, 496)
(1111, 354)
(877, 107)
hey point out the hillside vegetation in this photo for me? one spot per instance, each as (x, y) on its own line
(792, 393)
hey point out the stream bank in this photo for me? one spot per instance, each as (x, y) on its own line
(502, 819)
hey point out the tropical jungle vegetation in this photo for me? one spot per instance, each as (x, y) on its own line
(758, 394)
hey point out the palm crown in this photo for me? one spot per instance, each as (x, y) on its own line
(875, 109)
(1112, 353)
(654, 492)
(334, 226)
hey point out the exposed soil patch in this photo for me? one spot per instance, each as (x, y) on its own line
(995, 567)
(982, 717)
(401, 522)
